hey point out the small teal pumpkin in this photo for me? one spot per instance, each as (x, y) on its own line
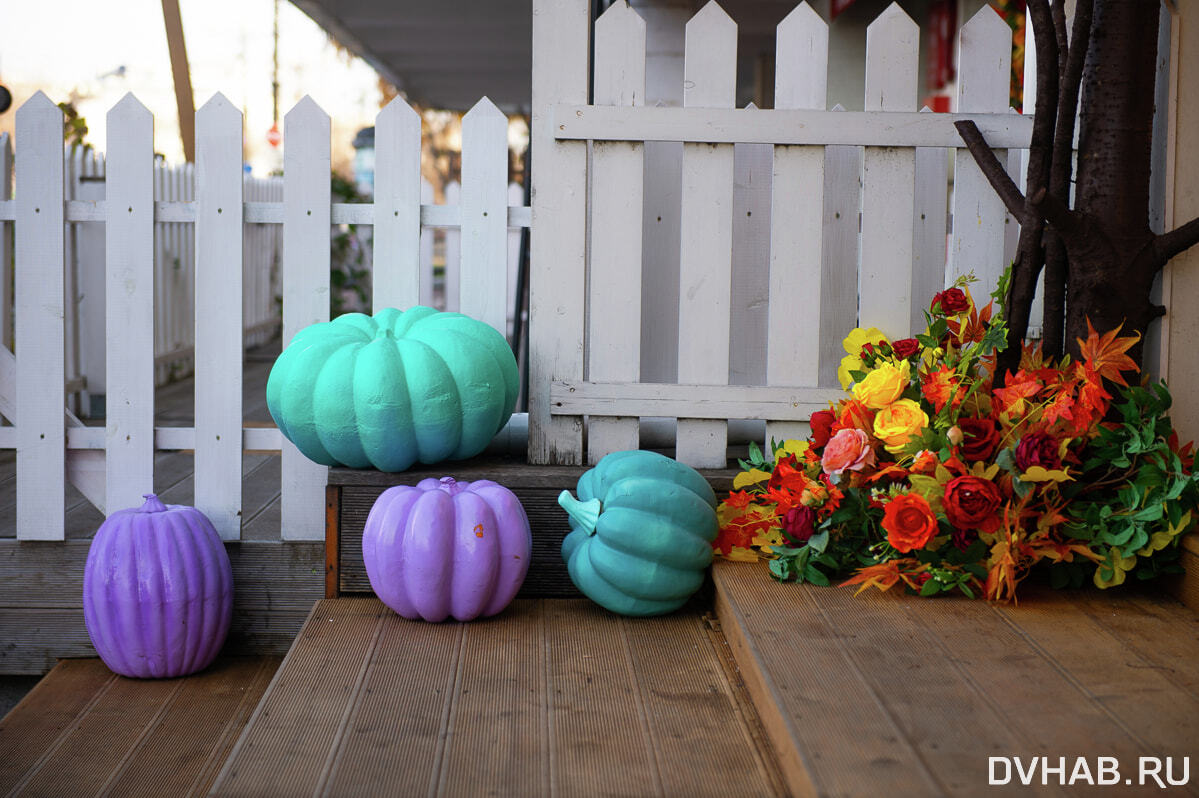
(390, 390)
(641, 533)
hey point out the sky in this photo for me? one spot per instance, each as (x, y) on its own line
(66, 47)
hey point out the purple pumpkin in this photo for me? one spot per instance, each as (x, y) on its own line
(445, 548)
(157, 591)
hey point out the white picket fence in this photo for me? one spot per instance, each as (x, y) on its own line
(174, 275)
(796, 222)
(114, 465)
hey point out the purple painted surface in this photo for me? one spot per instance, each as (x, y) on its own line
(444, 549)
(157, 591)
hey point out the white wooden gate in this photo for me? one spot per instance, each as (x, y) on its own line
(113, 465)
(857, 229)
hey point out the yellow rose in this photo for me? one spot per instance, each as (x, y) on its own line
(853, 345)
(899, 422)
(884, 385)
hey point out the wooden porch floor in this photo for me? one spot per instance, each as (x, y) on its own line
(815, 692)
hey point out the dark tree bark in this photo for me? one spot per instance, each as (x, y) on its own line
(1100, 255)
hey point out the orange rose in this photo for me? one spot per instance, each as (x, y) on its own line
(848, 450)
(909, 522)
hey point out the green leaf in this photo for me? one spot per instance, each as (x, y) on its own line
(814, 575)
(755, 454)
(930, 588)
(818, 542)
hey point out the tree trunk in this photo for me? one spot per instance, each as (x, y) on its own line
(1111, 263)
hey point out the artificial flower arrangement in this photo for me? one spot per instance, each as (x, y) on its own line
(931, 475)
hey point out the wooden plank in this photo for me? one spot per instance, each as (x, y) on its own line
(6, 243)
(696, 401)
(299, 721)
(904, 127)
(39, 312)
(617, 185)
(305, 290)
(483, 280)
(829, 741)
(332, 539)
(984, 64)
(395, 282)
(705, 248)
(561, 40)
(130, 304)
(218, 331)
(54, 704)
(797, 267)
(930, 208)
(183, 751)
(888, 179)
(753, 165)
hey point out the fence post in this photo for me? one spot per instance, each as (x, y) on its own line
(617, 175)
(888, 179)
(483, 273)
(307, 206)
(557, 267)
(706, 243)
(984, 69)
(129, 305)
(219, 314)
(797, 320)
(40, 261)
(396, 276)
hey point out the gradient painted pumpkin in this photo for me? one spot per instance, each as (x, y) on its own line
(157, 591)
(641, 533)
(389, 390)
(444, 549)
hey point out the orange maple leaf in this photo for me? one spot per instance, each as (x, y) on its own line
(1105, 353)
(884, 576)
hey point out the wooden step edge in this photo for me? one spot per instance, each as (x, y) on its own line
(764, 695)
(1185, 586)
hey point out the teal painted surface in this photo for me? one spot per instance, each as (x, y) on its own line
(393, 389)
(641, 533)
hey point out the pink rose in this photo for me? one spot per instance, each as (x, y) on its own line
(848, 450)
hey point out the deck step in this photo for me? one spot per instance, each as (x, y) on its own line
(552, 697)
(917, 694)
(84, 731)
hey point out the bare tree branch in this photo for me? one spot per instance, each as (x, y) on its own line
(1059, 34)
(1050, 208)
(1177, 241)
(992, 169)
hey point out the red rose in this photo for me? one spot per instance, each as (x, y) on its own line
(1037, 449)
(979, 438)
(905, 348)
(909, 522)
(822, 427)
(799, 524)
(972, 503)
(952, 302)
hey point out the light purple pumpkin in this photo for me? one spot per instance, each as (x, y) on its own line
(445, 549)
(157, 591)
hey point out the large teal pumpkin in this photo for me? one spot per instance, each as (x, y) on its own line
(641, 533)
(390, 390)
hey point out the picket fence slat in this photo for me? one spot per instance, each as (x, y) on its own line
(753, 165)
(706, 243)
(218, 334)
(129, 300)
(40, 257)
(984, 58)
(306, 223)
(797, 215)
(614, 334)
(6, 275)
(888, 179)
(483, 270)
(396, 279)
(556, 282)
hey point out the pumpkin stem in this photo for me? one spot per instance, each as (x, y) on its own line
(451, 486)
(585, 514)
(152, 505)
